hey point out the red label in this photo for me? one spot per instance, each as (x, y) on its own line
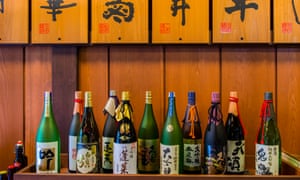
(44, 28)
(165, 28)
(103, 28)
(286, 27)
(225, 27)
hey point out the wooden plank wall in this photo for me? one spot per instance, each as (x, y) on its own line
(27, 71)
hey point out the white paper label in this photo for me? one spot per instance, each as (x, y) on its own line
(169, 159)
(72, 152)
(47, 157)
(236, 156)
(125, 158)
(267, 159)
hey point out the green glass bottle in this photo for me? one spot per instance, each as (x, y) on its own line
(125, 141)
(48, 140)
(88, 147)
(148, 140)
(171, 143)
(268, 141)
(74, 130)
(192, 137)
(109, 131)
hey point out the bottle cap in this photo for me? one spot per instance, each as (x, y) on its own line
(233, 94)
(78, 94)
(191, 97)
(215, 97)
(112, 93)
(268, 96)
(171, 94)
(148, 94)
(125, 95)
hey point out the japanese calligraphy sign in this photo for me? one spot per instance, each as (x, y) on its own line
(59, 21)
(14, 21)
(286, 21)
(241, 21)
(180, 21)
(119, 21)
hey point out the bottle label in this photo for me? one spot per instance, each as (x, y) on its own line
(192, 154)
(169, 155)
(148, 154)
(125, 158)
(215, 159)
(110, 106)
(47, 157)
(107, 152)
(267, 159)
(87, 157)
(72, 152)
(236, 156)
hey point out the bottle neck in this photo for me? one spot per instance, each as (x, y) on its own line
(88, 100)
(267, 110)
(78, 106)
(215, 113)
(124, 110)
(172, 107)
(48, 104)
(233, 103)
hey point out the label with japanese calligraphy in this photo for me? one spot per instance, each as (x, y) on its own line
(125, 158)
(192, 154)
(107, 152)
(72, 152)
(87, 157)
(169, 155)
(267, 159)
(215, 159)
(235, 156)
(47, 157)
(148, 155)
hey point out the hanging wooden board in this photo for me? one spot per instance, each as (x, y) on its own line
(59, 22)
(185, 21)
(120, 21)
(241, 21)
(14, 21)
(286, 21)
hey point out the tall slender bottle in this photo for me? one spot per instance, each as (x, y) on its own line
(268, 142)
(48, 140)
(125, 141)
(109, 131)
(235, 138)
(192, 137)
(88, 150)
(171, 143)
(215, 140)
(148, 140)
(74, 130)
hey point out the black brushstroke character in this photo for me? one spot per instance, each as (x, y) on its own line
(118, 10)
(240, 5)
(175, 7)
(2, 6)
(56, 6)
(295, 12)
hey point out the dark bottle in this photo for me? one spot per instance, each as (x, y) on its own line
(235, 138)
(109, 131)
(215, 140)
(148, 140)
(125, 141)
(171, 143)
(88, 150)
(74, 130)
(48, 140)
(192, 137)
(268, 142)
(20, 158)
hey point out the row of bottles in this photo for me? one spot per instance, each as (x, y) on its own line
(177, 150)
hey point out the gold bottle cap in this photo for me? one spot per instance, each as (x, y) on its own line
(88, 99)
(148, 97)
(125, 95)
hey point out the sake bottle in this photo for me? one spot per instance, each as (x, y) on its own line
(215, 140)
(268, 142)
(88, 150)
(235, 138)
(48, 140)
(171, 143)
(20, 158)
(148, 140)
(74, 130)
(192, 137)
(125, 140)
(109, 131)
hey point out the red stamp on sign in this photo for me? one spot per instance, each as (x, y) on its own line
(44, 28)
(164, 28)
(103, 28)
(225, 27)
(286, 27)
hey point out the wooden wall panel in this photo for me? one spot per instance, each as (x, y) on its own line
(288, 101)
(11, 104)
(137, 69)
(250, 71)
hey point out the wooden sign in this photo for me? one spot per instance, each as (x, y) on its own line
(185, 21)
(241, 21)
(287, 21)
(120, 21)
(14, 21)
(59, 22)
